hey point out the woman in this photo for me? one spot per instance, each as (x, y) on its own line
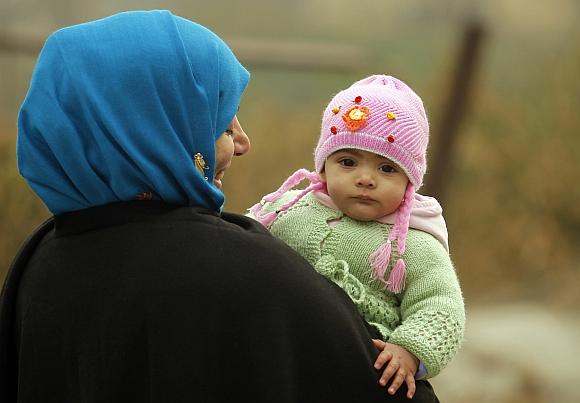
(140, 289)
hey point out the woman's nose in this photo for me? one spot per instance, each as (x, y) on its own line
(241, 140)
(366, 180)
(241, 143)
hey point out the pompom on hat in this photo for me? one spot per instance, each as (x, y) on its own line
(382, 115)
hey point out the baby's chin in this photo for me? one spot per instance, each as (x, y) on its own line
(363, 217)
(365, 214)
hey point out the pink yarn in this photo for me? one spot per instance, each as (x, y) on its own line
(380, 261)
(266, 219)
(288, 184)
(255, 209)
(401, 226)
(397, 277)
(311, 188)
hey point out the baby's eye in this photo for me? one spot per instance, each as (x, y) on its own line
(229, 132)
(388, 168)
(347, 162)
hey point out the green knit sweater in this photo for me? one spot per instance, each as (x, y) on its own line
(427, 318)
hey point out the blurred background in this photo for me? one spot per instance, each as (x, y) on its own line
(500, 82)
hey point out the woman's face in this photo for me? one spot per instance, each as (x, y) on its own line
(234, 141)
(363, 185)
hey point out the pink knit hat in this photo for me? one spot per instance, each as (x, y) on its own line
(379, 114)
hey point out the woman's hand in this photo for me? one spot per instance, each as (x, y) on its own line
(401, 367)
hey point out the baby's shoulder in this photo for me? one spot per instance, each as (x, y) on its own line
(425, 244)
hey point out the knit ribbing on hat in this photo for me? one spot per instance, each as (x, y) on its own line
(379, 114)
(382, 258)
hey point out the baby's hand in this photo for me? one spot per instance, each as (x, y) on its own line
(402, 366)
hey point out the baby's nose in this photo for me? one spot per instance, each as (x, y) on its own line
(366, 180)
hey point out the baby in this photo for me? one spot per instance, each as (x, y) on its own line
(361, 224)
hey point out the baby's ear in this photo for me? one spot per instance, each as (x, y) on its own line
(322, 175)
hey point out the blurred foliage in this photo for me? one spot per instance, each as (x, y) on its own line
(514, 214)
(20, 210)
(512, 208)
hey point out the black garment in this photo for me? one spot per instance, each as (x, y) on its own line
(145, 302)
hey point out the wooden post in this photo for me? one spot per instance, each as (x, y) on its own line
(445, 137)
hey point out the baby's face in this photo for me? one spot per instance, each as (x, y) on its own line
(363, 185)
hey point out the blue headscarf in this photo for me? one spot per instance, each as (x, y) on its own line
(120, 106)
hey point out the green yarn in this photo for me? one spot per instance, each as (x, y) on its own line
(427, 318)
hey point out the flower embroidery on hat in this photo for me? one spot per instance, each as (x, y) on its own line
(356, 117)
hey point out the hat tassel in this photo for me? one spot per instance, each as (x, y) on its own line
(380, 261)
(396, 281)
(266, 219)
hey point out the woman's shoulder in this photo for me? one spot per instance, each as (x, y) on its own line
(243, 223)
(248, 236)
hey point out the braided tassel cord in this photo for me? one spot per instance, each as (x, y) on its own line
(397, 277)
(379, 261)
(266, 219)
(396, 282)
